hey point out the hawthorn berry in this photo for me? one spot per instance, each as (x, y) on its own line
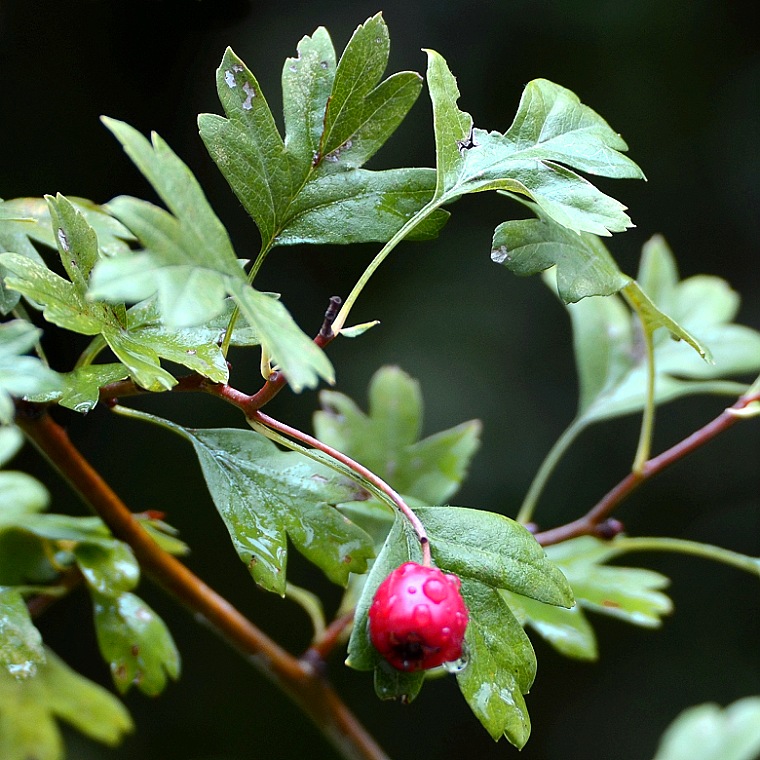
(417, 618)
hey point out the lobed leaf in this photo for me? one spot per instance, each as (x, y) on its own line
(553, 134)
(709, 732)
(135, 642)
(386, 439)
(21, 650)
(501, 665)
(265, 496)
(584, 266)
(336, 118)
(29, 709)
(189, 264)
(611, 365)
(629, 593)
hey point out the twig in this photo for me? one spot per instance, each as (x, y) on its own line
(271, 387)
(303, 683)
(353, 466)
(597, 520)
(324, 644)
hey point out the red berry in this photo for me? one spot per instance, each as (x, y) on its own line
(418, 618)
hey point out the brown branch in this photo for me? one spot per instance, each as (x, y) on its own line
(597, 521)
(320, 649)
(304, 684)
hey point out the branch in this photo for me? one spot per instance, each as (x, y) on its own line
(303, 683)
(193, 383)
(597, 521)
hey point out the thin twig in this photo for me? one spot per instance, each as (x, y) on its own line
(303, 683)
(354, 466)
(596, 520)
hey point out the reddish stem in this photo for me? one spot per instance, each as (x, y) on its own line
(594, 522)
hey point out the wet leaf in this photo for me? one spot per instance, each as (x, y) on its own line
(30, 707)
(265, 496)
(386, 440)
(81, 387)
(336, 118)
(21, 375)
(135, 642)
(612, 366)
(709, 732)
(553, 134)
(501, 665)
(631, 594)
(21, 650)
(493, 550)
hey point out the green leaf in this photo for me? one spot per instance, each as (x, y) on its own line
(113, 238)
(336, 118)
(11, 440)
(109, 568)
(709, 732)
(20, 494)
(611, 366)
(359, 206)
(265, 496)
(66, 303)
(567, 630)
(501, 665)
(493, 550)
(584, 265)
(81, 386)
(203, 239)
(189, 263)
(552, 134)
(292, 350)
(386, 439)
(21, 650)
(24, 220)
(629, 593)
(29, 708)
(21, 375)
(135, 642)
(178, 263)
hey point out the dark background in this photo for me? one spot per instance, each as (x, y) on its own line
(681, 81)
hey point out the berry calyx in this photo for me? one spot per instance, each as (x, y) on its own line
(418, 618)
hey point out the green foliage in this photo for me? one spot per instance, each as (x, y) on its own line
(612, 371)
(386, 440)
(21, 649)
(309, 187)
(189, 263)
(266, 496)
(29, 708)
(709, 732)
(552, 134)
(627, 593)
(21, 375)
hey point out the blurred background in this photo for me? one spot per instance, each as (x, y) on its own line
(681, 81)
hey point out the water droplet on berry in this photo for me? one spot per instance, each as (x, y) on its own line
(458, 665)
(435, 590)
(421, 616)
